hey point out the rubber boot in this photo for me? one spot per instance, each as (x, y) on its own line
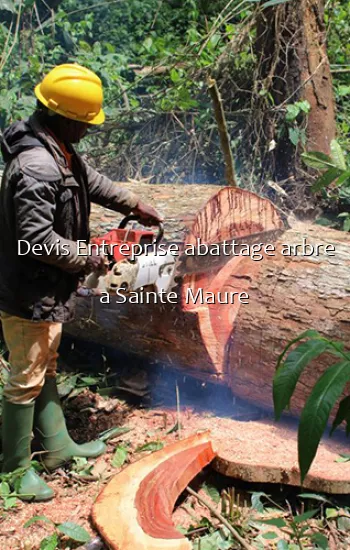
(17, 426)
(50, 427)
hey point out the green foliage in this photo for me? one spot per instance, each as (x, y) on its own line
(337, 171)
(120, 456)
(151, 446)
(154, 58)
(323, 397)
(69, 529)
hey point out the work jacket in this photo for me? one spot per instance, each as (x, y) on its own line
(45, 202)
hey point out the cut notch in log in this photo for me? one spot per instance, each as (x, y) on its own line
(134, 510)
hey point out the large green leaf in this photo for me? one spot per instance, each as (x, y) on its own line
(318, 160)
(327, 178)
(338, 155)
(314, 417)
(307, 334)
(343, 414)
(288, 374)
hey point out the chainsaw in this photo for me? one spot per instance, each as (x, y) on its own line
(134, 260)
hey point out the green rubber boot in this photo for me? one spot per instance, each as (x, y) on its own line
(17, 426)
(50, 427)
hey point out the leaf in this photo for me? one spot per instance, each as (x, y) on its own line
(318, 160)
(74, 531)
(338, 155)
(326, 179)
(292, 112)
(151, 446)
(213, 541)
(346, 224)
(321, 540)
(8, 5)
(314, 417)
(147, 44)
(212, 492)
(10, 502)
(343, 523)
(175, 76)
(67, 385)
(304, 106)
(120, 456)
(282, 545)
(294, 135)
(343, 458)
(273, 3)
(332, 513)
(314, 496)
(270, 535)
(256, 502)
(343, 90)
(112, 432)
(34, 519)
(287, 375)
(277, 522)
(4, 489)
(304, 517)
(343, 414)
(49, 543)
(90, 380)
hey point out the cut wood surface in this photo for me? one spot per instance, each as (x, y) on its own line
(266, 452)
(261, 451)
(134, 510)
(235, 344)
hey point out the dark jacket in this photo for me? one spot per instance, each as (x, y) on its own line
(44, 202)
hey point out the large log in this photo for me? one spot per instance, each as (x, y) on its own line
(236, 344)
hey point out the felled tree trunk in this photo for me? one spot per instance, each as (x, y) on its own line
(236, 343)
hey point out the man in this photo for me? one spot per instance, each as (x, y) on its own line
(45, 204)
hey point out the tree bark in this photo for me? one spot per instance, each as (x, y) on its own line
(233, 343)
(294, 66)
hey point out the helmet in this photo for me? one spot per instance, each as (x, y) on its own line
(74, 92)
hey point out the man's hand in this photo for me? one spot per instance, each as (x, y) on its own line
(95, 263)
(148, 215)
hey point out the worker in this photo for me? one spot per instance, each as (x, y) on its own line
(45, 199)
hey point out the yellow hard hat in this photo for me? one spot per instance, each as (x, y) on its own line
(74, 92)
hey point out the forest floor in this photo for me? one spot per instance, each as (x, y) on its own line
(141, 423)
(138, 428)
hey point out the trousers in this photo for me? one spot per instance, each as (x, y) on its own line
(32, 356)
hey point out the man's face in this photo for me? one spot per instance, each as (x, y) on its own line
(74, 130)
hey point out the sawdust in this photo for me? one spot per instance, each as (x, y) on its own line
(233, 439)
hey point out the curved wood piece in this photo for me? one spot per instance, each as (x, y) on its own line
(134, 510)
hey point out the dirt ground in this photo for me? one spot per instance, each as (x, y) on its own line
(74, 494)
(90, 414)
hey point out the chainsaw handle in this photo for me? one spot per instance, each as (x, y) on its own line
(134, 217)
